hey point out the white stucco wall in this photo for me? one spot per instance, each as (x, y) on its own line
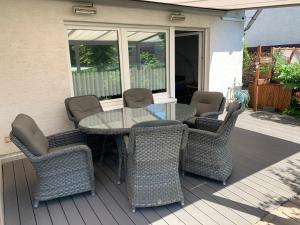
(274, 26)
(34, 60)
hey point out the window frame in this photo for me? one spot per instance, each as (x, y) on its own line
(124, 54)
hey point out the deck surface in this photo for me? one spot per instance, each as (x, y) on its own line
(266, 174)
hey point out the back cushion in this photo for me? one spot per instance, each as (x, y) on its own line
(206, 101)
(138, 97)
(232, 107)
(84, 106)
(157, 123)
(26, 130)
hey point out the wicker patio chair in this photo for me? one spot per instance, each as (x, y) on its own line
(63, 163)
(152, 175)
(137, 98)
(82, 106)
(207, 152)
(207, 104)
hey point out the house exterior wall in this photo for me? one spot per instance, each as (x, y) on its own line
(35, 75)
(274, 26)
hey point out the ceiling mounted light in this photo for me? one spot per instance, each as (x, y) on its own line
(176, 17)
(85, 8)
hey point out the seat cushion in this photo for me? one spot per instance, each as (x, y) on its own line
(137, 98)
(206, 101)
(27, 131)
(84, 106)
(191, 122)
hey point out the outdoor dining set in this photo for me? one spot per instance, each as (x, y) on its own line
(155, 143)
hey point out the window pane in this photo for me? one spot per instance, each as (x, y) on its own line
(147, 60)
(95, 63)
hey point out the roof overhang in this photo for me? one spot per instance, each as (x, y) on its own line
(227, 5)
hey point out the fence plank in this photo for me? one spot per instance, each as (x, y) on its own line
(108, 83)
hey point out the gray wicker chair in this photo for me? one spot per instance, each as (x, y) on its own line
(80, 107)
(63, 163)
(152, 175)
(207, 104)
(207, 152)
(137, 98)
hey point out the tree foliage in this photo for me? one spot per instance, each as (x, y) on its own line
(246, 56)
(287, 74)
(97, 57)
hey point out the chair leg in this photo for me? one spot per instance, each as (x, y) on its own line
(36, 204)
(120, 157)
(93, 193)
(133, 209)
(182, 203)
(103, 151)
(224, 182)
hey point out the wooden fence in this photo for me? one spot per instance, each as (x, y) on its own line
(108, 83)
(271, 95)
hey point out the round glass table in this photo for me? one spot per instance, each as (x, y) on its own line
(118, 122)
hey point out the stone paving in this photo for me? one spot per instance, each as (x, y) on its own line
(287, 214)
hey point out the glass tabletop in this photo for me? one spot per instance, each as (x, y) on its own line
(120, 121)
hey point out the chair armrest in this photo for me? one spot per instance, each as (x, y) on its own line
(66, 138)
(213, 115)
(64, 152)
(203, 135)
(185, 137)
(208, 124)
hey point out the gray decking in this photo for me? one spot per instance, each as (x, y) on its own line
(266, 173)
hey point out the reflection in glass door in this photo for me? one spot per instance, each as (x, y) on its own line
(95, 63)
(147, 60)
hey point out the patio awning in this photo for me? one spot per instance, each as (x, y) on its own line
(107, 35)
(228, 4)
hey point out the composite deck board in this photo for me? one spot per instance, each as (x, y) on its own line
(176, 214)
(56, 213)
(11, 208)
(188, 213)
(204, 206)
(231, 216)
(41, 213)
(237, 208)
(151, 215)
(25, 207)
(253, 213)
(264, 183)
(182, 214)
(179, 213)
(264, 190)
(138, 217)
(198, 215)
(101, 211)
(72, 214)
(280, 187)
(112, 205)
(252, 191)
(88, 215)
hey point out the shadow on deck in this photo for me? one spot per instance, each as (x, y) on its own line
(266, 174)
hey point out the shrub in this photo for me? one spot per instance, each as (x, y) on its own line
(287, 74)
